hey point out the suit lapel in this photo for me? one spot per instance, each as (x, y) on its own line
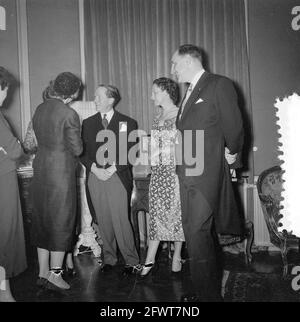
(4, 120)
(195, 93)
(98, 122)
(113, 125)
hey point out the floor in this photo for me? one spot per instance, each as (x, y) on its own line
(91, 285)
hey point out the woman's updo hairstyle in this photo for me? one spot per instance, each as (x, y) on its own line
(66, 84)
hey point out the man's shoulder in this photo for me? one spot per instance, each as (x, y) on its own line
(220, 79)
(125, 118)
(90, 119)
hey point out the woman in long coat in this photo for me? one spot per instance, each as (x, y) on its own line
(57, 130)
(12, 243)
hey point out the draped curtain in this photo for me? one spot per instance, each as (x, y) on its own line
(129, 43)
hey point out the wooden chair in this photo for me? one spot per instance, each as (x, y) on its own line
(269, 186)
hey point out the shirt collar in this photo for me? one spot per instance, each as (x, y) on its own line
(196, 78)
(109, 115)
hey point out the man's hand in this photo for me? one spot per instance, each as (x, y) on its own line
(230, 158)
(101, 174)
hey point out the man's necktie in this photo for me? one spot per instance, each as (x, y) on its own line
(105, 121)
(104, 150)
(187, 95)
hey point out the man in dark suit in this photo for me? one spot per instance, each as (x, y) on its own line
(209, 108)
(109, 176)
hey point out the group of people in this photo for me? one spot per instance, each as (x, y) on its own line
(183, 205)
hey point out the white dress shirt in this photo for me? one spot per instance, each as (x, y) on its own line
(196, 78)
(109, 115)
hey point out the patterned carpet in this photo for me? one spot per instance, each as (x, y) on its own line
(259, 287)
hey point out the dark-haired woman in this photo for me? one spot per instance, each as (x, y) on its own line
(12, 243)
(57, 130)
(164, 200)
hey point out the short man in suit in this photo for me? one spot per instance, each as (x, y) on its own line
(109, 181)
(210, 105)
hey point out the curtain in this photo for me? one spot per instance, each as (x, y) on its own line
(129, 43)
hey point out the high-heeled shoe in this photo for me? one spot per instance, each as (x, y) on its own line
(148, 270)
(176, 265)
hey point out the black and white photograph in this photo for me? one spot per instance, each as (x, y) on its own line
(149, 153)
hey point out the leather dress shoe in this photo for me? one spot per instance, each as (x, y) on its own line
(190, 298)
(41, 282)
(106, 268)
(131, 269)
(176, 275)
(69, 272)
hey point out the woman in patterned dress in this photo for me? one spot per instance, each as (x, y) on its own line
(164, 199)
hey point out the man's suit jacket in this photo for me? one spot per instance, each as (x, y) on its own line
(90, 128)
(212, 107)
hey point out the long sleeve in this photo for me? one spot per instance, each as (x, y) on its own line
(84, 158)
(230, 115)
(10, 150)
(9, 142)
(72, 126)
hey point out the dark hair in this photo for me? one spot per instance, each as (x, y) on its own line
(168, 85)
(191, 50)
(112, 91)
(5, 78)
(66, 84)
(48, 92)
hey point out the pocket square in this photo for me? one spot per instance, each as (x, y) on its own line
(199, 100)
(123, 126)
(2, 149)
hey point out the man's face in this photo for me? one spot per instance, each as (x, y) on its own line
(102, 102)
(179, 67)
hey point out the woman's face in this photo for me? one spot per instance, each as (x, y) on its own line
(158, 95)
(3, 94)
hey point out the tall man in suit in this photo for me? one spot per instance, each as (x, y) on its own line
(210, 105)
(110, 181)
